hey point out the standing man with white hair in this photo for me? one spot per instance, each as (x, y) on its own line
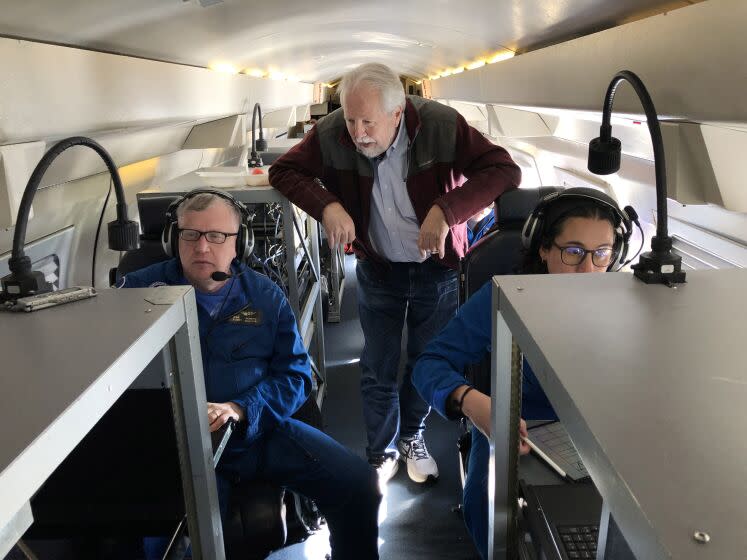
(397, 176)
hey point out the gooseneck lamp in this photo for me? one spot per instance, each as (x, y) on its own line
(123, 233)
(660, 265)
(260, 145)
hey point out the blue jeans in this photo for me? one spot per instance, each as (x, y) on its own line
(475, 499)
(425, 294)
(309, 462)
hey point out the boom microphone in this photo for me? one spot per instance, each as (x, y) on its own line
(219, 276)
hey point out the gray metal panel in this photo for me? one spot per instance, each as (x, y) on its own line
(63, 367)
(51, 356)
(195, 447)
(15, 528)
(650, 382)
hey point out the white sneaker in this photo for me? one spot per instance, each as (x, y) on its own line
(386, 467)
(420, 465)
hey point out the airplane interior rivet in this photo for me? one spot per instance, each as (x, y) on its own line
(701, 537)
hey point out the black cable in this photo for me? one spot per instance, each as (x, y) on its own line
(640, 247)
(303, 244)
(96, 239)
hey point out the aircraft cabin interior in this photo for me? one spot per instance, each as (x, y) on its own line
(111, 112)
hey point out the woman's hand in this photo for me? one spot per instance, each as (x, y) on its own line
(476, 407)
(523, 433)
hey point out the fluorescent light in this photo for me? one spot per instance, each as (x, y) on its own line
(224, 67)
(501, 55)
(458, 70)
(255, 72)
(475, 64)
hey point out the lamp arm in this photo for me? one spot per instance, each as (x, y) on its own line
(41, 168)
(654, 129)
(123, 233)
(257, 110)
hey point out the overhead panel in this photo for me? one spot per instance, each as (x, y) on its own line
(505, 121)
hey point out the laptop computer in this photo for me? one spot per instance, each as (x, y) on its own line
(563, 519)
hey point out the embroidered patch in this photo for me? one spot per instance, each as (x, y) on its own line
(246, 316)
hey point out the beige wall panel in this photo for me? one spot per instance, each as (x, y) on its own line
(691, 60)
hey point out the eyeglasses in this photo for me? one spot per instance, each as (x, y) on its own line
(217, 237)
(574, 256)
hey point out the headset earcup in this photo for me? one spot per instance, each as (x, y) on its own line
(527, 232)
(167, 238)
(241, 243)
(623, 254)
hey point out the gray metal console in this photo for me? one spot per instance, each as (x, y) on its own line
(650, 382)
(64, 367)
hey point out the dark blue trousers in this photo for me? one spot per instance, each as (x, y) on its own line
(424, 295)
(344, 487)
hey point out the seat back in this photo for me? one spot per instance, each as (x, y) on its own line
(152, 211)
(499, 252)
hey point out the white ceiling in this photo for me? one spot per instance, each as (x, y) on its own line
(318, 41)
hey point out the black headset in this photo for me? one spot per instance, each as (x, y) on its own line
(244, 238)
(537, 224)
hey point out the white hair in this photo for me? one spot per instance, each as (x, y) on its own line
(381, 78)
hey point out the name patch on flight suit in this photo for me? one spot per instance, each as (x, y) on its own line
(246, 316)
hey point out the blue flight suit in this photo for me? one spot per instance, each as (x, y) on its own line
(440, 369)
(478, 231)
(253, 356)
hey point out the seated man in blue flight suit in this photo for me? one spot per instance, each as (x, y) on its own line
(257, 372)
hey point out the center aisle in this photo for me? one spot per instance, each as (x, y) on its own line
(416, 520)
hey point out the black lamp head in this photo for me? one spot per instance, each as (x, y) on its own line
(123, 236)
(604, 155)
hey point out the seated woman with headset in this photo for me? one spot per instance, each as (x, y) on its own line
(570, 231)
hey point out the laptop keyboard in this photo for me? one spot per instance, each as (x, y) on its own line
(579, 541)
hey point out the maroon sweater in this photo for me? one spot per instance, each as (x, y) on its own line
(449, 164)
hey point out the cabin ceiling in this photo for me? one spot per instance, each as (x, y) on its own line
(318, 41)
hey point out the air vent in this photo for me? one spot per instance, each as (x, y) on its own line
(698, 258)
(50, 266)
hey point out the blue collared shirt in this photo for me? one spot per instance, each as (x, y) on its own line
(394, 227)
